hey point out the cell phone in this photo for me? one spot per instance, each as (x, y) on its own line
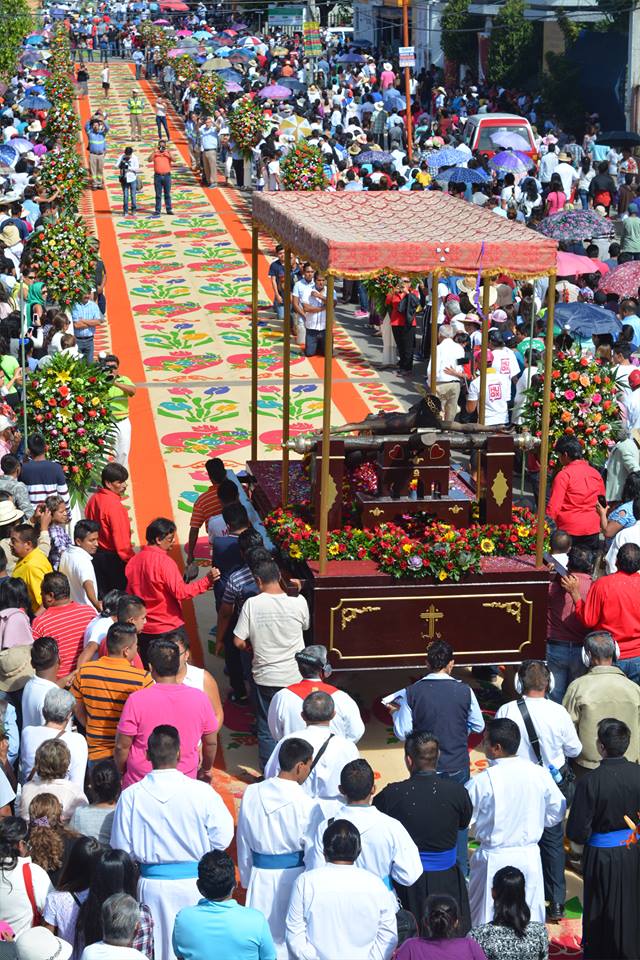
(557, 566)
(602, 500)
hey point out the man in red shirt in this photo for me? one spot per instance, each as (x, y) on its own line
(207, 505)
(404, 302)
(63, 620)
(162, 162)
(574, 495)
(114, 539)
(613, 604)
(155, 577)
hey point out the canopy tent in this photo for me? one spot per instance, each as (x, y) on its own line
(360, 235)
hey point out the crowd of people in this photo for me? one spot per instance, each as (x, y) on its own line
(114, 841)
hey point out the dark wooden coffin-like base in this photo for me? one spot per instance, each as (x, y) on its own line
(369, 621)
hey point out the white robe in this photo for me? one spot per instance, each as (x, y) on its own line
(286, 708)
(514, 800)
(274, 818)
(387, 848)
(325, 777)
(340, 911)
(166, 818)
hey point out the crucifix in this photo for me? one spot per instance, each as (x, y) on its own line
(432, 615)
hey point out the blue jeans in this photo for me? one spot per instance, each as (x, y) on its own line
(85, 347)
(129, 190)
(279, 309)
(266, 743)
(631, 667)
(314, 343)
(584, 198)
(162, 184)
(363, 297)
(138, 70)
(551, 845)
(462, 855)
(161, 122)
(565, 663)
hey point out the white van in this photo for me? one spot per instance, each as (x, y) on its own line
(335, 35)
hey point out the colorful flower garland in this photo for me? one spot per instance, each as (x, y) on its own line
(211, 91)
(584, 404)
(185, 68)
(62, 123)
(68, 401)
(64, 259)
(379, 287)
(303, 168)
(416, 548)
(62, 173)
(247, 124)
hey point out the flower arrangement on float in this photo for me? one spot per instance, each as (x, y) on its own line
(185, 68)
(68, 402)
(64, 258)
(416, 547)
(211, 90)
(60, 62)
(379, 287)
(62, 173)
(59, 87)
(584, 404)
(247, 124)
(303, 168)
(62, 122)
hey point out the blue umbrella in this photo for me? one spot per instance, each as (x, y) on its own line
(393, 99)
(8, 155)
(34, 90)
(229, 74)
(21, 144)
(34, 41)
(509, 161)
(446, 157)
(35, 103)
(373, 156)
(585, 319)
(202, 35)
(351, 58)
(463, 175)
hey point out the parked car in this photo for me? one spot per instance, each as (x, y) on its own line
(479, 129)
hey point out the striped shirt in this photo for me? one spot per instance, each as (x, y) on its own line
(103, 687)
(206, 506)
(67, 624)
(44, 478)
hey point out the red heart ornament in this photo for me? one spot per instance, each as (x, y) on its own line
(436, 452)
(396, 453)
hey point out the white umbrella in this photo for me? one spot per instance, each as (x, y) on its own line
(295, 126)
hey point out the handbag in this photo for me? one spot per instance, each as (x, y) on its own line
(139, 184)
(567, 785)
(15, 662)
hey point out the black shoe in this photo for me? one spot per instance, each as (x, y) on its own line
(238, 698)
(555, 912)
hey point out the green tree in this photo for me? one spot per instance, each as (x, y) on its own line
(561, 92)
(512, 56)
(459, 29)
(16, 23)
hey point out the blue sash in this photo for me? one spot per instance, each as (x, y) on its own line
(387, 882)
(278, 861)
(442, 860)
(614, 838)
(182, 870)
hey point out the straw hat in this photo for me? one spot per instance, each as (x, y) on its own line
(9, 235)
(468, 285)
(354, 150)
(564, 157)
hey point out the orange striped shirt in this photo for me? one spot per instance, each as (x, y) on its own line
(206, 506)
(103, 687)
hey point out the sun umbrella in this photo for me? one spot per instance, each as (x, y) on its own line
(509, 162)
(240, 56)
(463, 175)
(295, 85)
(21, 144)
(217, 63)
(231, 75)
(36, 89)
(574, 225)
(41, 73)
(373, 156)
(202, 35)
(447, 157)
(573, 265)
(35, 103)
(232, 87)
(8, 156)
(239, 26)
(351, 58)
(224, 51)
(274, 92)
(229, 32)
(618, 138)
(183, 33)
(623, 280)
(161, 23)
(34, 40)
(250, 42)
(585, 319)
(510, 141)
(295, 126)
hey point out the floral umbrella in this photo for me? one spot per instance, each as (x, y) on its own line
(510, 162)
(447, 157)
(623, 280)
(574, 225)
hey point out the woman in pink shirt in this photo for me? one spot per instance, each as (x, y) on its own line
(556, 198)
(387, 77)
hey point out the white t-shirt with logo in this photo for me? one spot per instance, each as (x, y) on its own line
(496, 411)
(506, 365)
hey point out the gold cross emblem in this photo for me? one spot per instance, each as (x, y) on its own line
(432, 616)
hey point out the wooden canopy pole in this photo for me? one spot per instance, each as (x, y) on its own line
(482, 406)
(254, 342)
(286, 376)
(434, 334)
(546, 408)
(323, 519)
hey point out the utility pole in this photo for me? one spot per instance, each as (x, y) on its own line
(407, 82)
